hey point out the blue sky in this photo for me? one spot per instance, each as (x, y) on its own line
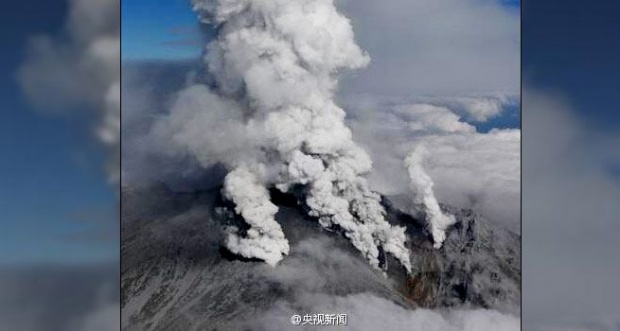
(159, 29)
(52, 188)
(507, 119)
(168, 29)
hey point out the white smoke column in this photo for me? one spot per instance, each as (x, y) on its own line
(280, 59)
(81, 70)
(265, 239)
(422, 187)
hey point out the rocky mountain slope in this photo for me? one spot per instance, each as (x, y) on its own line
(177, 276)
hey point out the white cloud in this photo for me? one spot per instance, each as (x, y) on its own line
(479, 171)
(366, 312)
(436, 47)
(424, 118)
(469, 169)
(481, 109)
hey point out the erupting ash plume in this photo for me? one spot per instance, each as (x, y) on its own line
(422, 187)
(279, 60)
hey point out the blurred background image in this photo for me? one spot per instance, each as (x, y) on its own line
(59, 139)
(571, 165)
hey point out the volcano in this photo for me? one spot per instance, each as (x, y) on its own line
(178, 275)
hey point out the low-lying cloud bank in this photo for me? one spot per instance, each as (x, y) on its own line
(317, 271)
(366, 312)
(51, 297)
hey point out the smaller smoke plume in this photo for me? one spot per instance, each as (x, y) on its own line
(264, 239)
(422, 187)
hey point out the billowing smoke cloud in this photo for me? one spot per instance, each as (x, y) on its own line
(423, 195)
(274, 65)
(265, 239)
(81, 70)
